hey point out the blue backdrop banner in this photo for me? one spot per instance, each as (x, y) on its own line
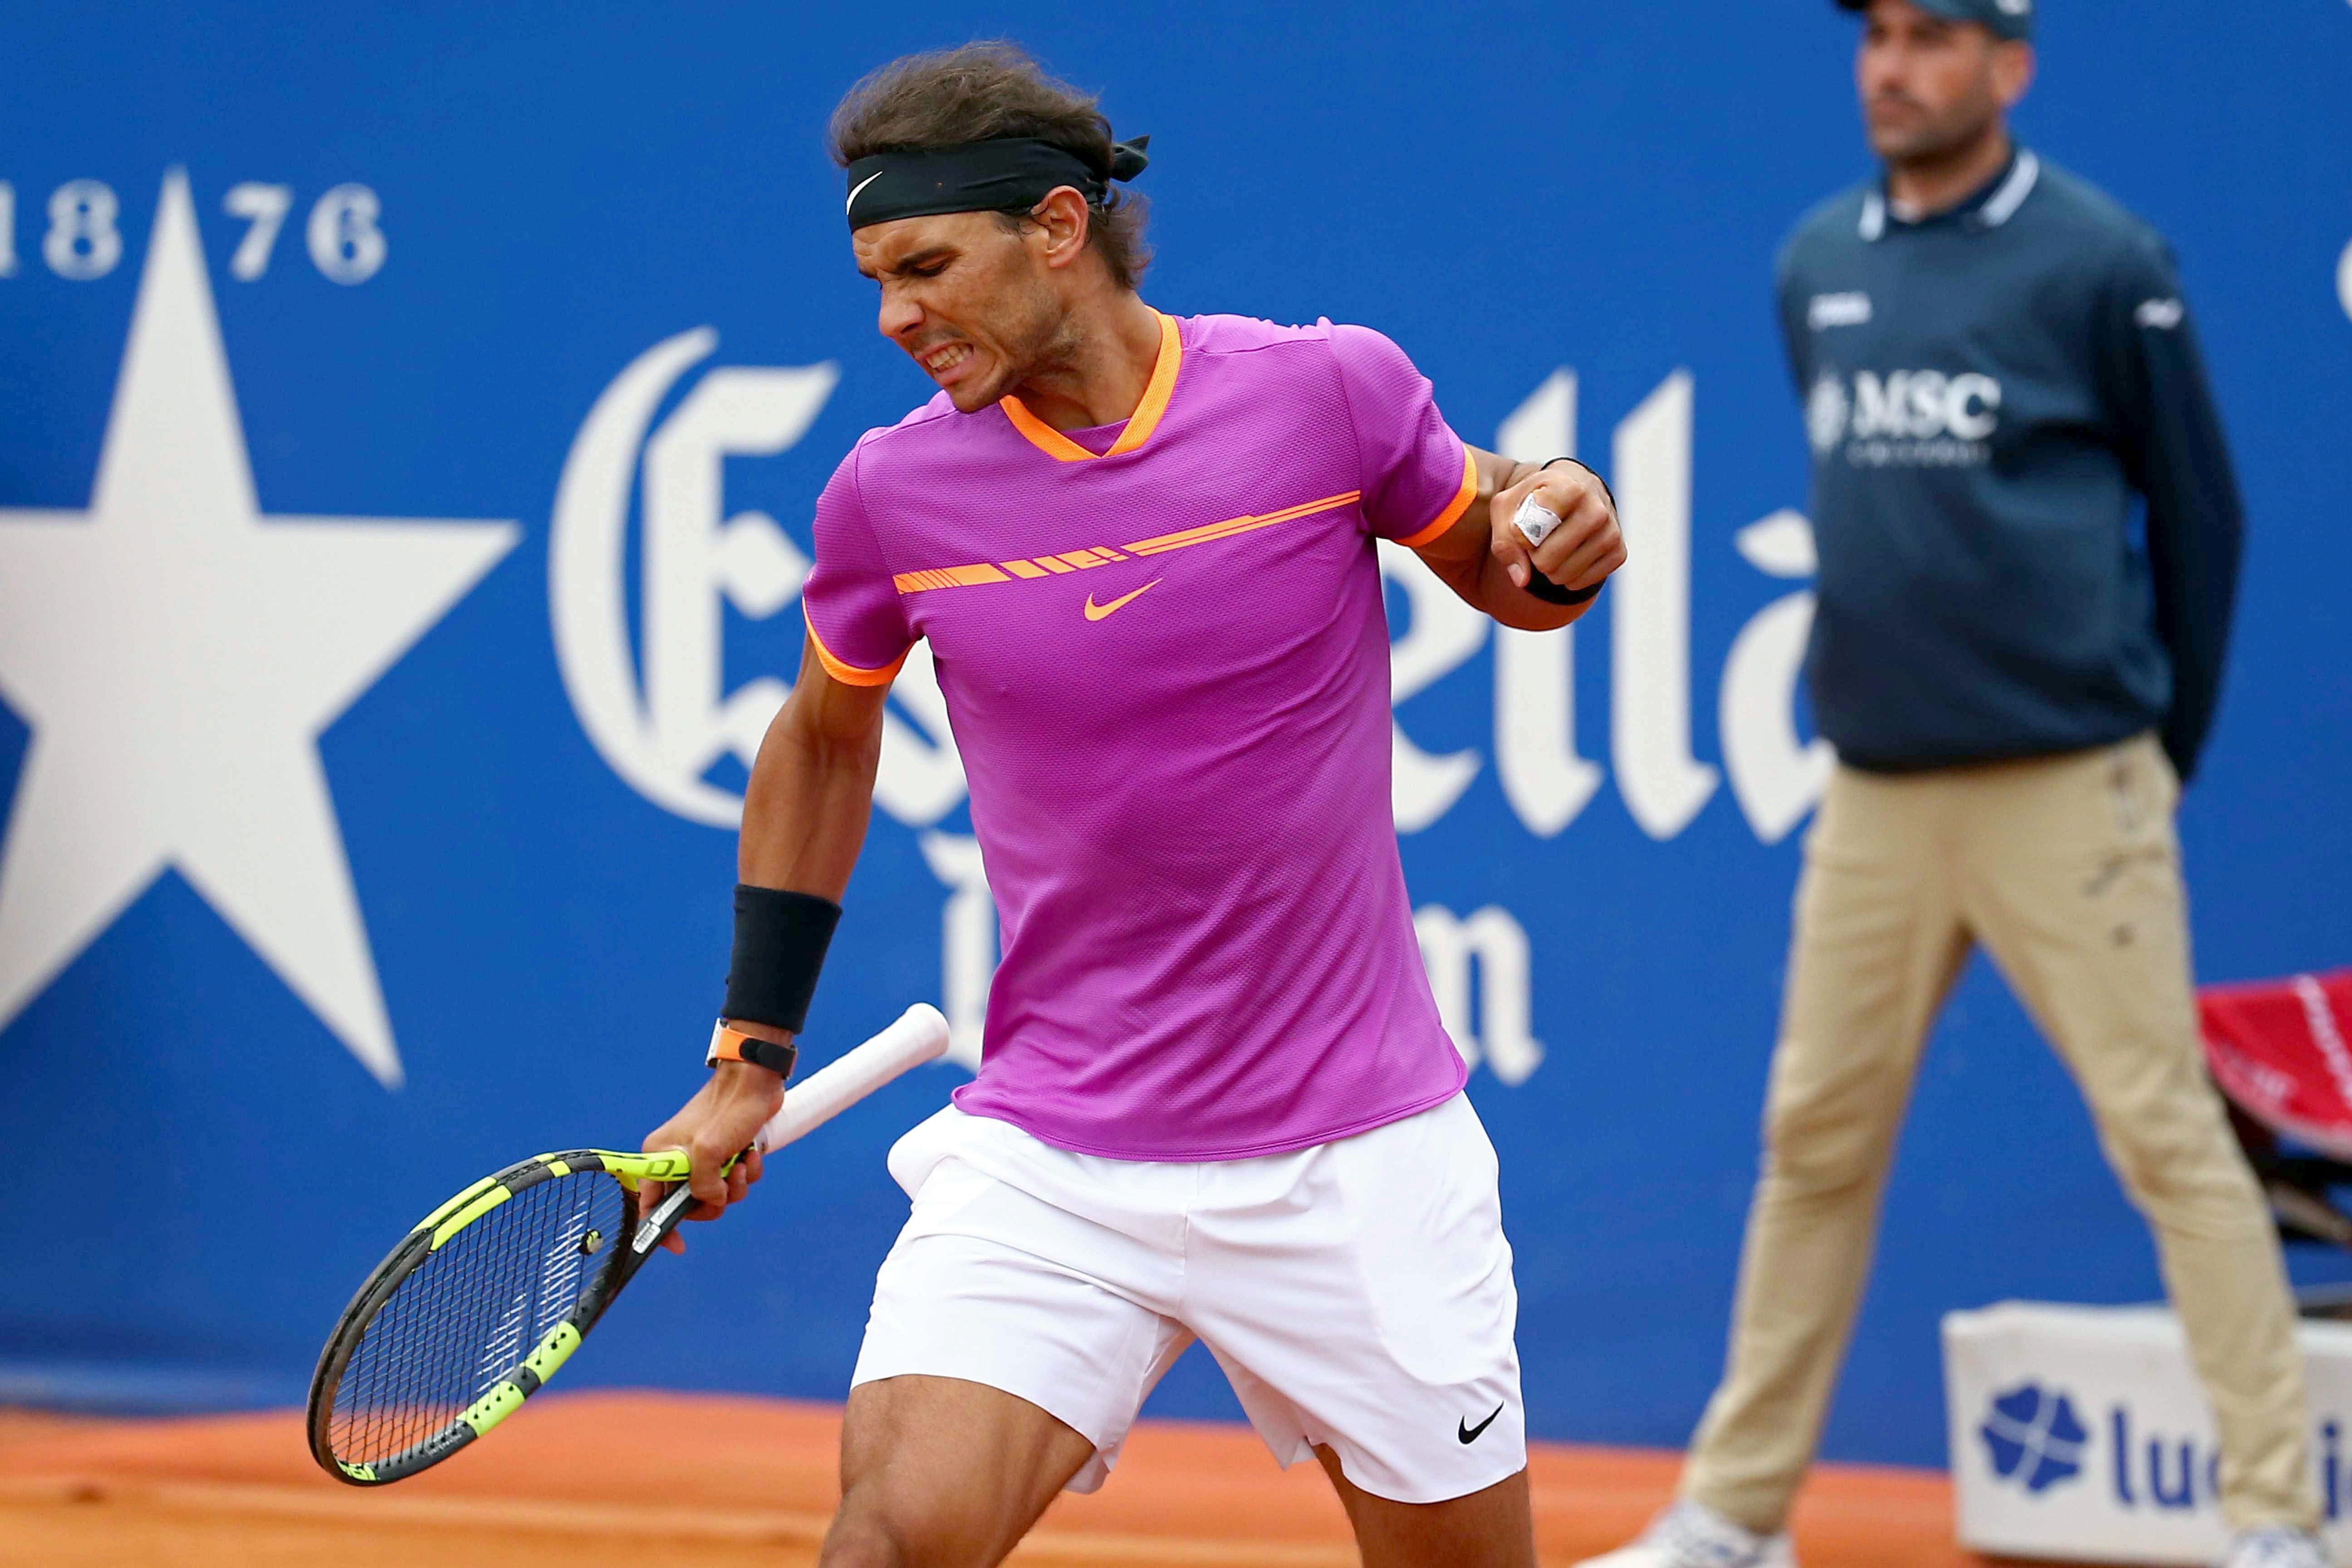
(409, 422)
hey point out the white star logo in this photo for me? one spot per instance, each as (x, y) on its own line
(177, 654)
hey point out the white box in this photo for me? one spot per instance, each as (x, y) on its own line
(2080, 1432)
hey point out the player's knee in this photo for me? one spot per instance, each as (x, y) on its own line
(863, 1535)
(877, 1527)
(859, 1543)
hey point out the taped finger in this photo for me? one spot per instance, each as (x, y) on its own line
(1535, 520)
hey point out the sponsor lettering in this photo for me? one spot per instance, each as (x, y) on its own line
(1904, 419)
(1924, 403)
(2033, 1439)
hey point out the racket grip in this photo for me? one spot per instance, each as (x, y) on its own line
(663, 1220)
(919, 1036)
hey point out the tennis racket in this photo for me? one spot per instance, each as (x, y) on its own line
(481, 1303)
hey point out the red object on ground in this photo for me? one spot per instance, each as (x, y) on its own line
(2282, 1050)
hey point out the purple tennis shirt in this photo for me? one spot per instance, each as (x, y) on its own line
(1166, 665)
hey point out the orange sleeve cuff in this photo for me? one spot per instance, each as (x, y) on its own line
(1453, 508)
(850, 674)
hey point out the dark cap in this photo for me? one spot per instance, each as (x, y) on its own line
(2002, 18)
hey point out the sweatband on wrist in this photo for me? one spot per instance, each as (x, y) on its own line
(780, 943)
(1552, 593)
(1588, 469)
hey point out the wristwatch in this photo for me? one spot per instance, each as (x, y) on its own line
(730, 1044)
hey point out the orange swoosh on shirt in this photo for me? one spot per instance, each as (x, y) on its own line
(1097, 612)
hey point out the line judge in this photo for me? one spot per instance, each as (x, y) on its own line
(1997, 365)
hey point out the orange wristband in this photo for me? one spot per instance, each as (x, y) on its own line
(730, 1044)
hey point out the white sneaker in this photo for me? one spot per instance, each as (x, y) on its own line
(2275, 1546)
(1693, 1535)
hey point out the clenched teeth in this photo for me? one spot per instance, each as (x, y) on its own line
(946, 357)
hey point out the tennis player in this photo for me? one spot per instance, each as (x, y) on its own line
(1215, 1100)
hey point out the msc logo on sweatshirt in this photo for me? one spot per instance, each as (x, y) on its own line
(1904, 419)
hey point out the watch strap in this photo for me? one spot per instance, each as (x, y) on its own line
(729, 1044)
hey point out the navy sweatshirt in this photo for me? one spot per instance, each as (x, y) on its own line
(1990, 393)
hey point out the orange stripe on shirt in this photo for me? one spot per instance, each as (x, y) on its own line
(1232, 525)
(925, 581)
(950, 577)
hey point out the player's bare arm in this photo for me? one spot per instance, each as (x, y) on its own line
(804, 818)
(1487, 560)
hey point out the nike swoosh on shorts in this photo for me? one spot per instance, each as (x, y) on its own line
(1469, 1434)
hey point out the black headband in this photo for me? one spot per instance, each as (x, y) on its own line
(1009, 174)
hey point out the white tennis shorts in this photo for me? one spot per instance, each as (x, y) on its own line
(1358, 1294)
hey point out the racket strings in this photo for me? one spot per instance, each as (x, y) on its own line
(454, 1327)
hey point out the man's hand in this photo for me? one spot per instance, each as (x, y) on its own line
(1487, 561)
(804, 816)
(1585, 548)
(721, 1119)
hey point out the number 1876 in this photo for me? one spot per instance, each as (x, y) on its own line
(82, 239)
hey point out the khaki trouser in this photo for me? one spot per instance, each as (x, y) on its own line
(2066, 869)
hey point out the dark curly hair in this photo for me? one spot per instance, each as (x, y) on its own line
(980, 91)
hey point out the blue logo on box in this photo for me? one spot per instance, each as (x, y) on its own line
(2033, 1437)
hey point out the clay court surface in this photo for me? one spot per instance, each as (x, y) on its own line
(751, 1481)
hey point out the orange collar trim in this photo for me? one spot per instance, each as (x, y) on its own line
(1139, 425)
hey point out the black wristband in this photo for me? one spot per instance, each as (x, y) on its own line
(776, 1059)
(1552, 593)
(780, 943)
(1543, 587)
(728, 1042)
(1589, 469)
